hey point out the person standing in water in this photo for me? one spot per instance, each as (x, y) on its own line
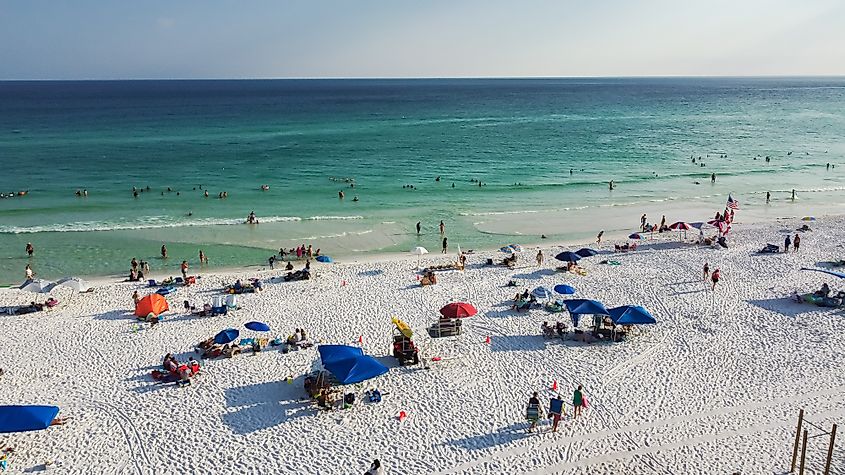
(610, 185)
(768, 196)
(712, 178)
(30, 249)
(793, 194)
(203, 258)
(163, 251)
(184, 269)
(419, 227)
(445, 245)
(442, 228)
(340, 194)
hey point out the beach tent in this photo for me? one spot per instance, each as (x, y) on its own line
(74, 283)
(458, 310)
(630, 315)
(541, 293)
(324, 259)
(38, 286)
(586, 252)
(578, 307)
(153, 303)
(226, 336)
(330, 353)
(355, 369)
(26, 418)
(568, 256)
(564, 289)
(825, 271)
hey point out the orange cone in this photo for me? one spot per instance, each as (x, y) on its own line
(487, 340)
(402, 416)
(361, 339)
(554, 385)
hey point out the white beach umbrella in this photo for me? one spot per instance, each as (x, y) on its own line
(419, 251)
(38, 286)
(74, 283)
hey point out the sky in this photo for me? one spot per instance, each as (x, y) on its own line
(150, 39)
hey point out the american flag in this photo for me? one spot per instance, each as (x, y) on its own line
(732, 203)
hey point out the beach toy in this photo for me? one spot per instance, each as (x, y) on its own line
(402, 416)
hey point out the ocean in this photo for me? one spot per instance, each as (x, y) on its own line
(544, 151)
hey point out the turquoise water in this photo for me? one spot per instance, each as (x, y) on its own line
(521, 138)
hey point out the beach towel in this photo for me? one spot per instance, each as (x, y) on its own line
(532, 413)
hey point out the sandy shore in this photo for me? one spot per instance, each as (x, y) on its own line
(714, 387)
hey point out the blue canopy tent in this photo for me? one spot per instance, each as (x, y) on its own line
(324, 259)
(834, 273)
(578, 307)
(26, 418)
(568, 256)
(564, 289)
(355, 369)
(586, 252)
(330, 353)
(630, 315)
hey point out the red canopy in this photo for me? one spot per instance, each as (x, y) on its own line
(458, 310)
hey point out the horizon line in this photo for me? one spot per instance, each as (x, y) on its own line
(398, 78)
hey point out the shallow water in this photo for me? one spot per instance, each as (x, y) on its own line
(521, 138)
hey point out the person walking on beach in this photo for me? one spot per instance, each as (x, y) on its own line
(419, 227)
(445, 245)
(532, 412)
(643, 220)
(30, 249)
(577, 402)
(706, 271)
(539, 257)
(442, 228)
(598, 237)
(715, 278)
(796, 242)
(184, 269)
(556, 410)
(272, 261)
(786, 243)
(163, 251)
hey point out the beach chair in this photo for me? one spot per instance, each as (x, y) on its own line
(215, 311)
(152, 283)
(179, 281)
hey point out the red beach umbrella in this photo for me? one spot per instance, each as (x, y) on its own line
(680, 225)
(458, 310)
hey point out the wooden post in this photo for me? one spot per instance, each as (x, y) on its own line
(830, 450)
(797, 438)
(803, 454)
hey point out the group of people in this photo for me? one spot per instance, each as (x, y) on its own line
(182, 372)
(138, 269)
(300, 252)
(556, 408)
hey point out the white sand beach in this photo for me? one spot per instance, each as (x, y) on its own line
(713, 388)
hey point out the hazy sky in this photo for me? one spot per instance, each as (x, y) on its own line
(57, 39)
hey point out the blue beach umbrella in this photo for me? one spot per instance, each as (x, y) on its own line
(325, 259)
(568, 256)
(355, 369)
(564, 289)
(330, 353)
(586, 252)
(226, 336)
(582, 306)
(257, 326)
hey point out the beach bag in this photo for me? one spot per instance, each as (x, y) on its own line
(584, 402)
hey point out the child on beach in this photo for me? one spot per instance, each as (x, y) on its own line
(796, 242)
(706, 270)
(29, 273)
(539, 257)
(715, 278)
